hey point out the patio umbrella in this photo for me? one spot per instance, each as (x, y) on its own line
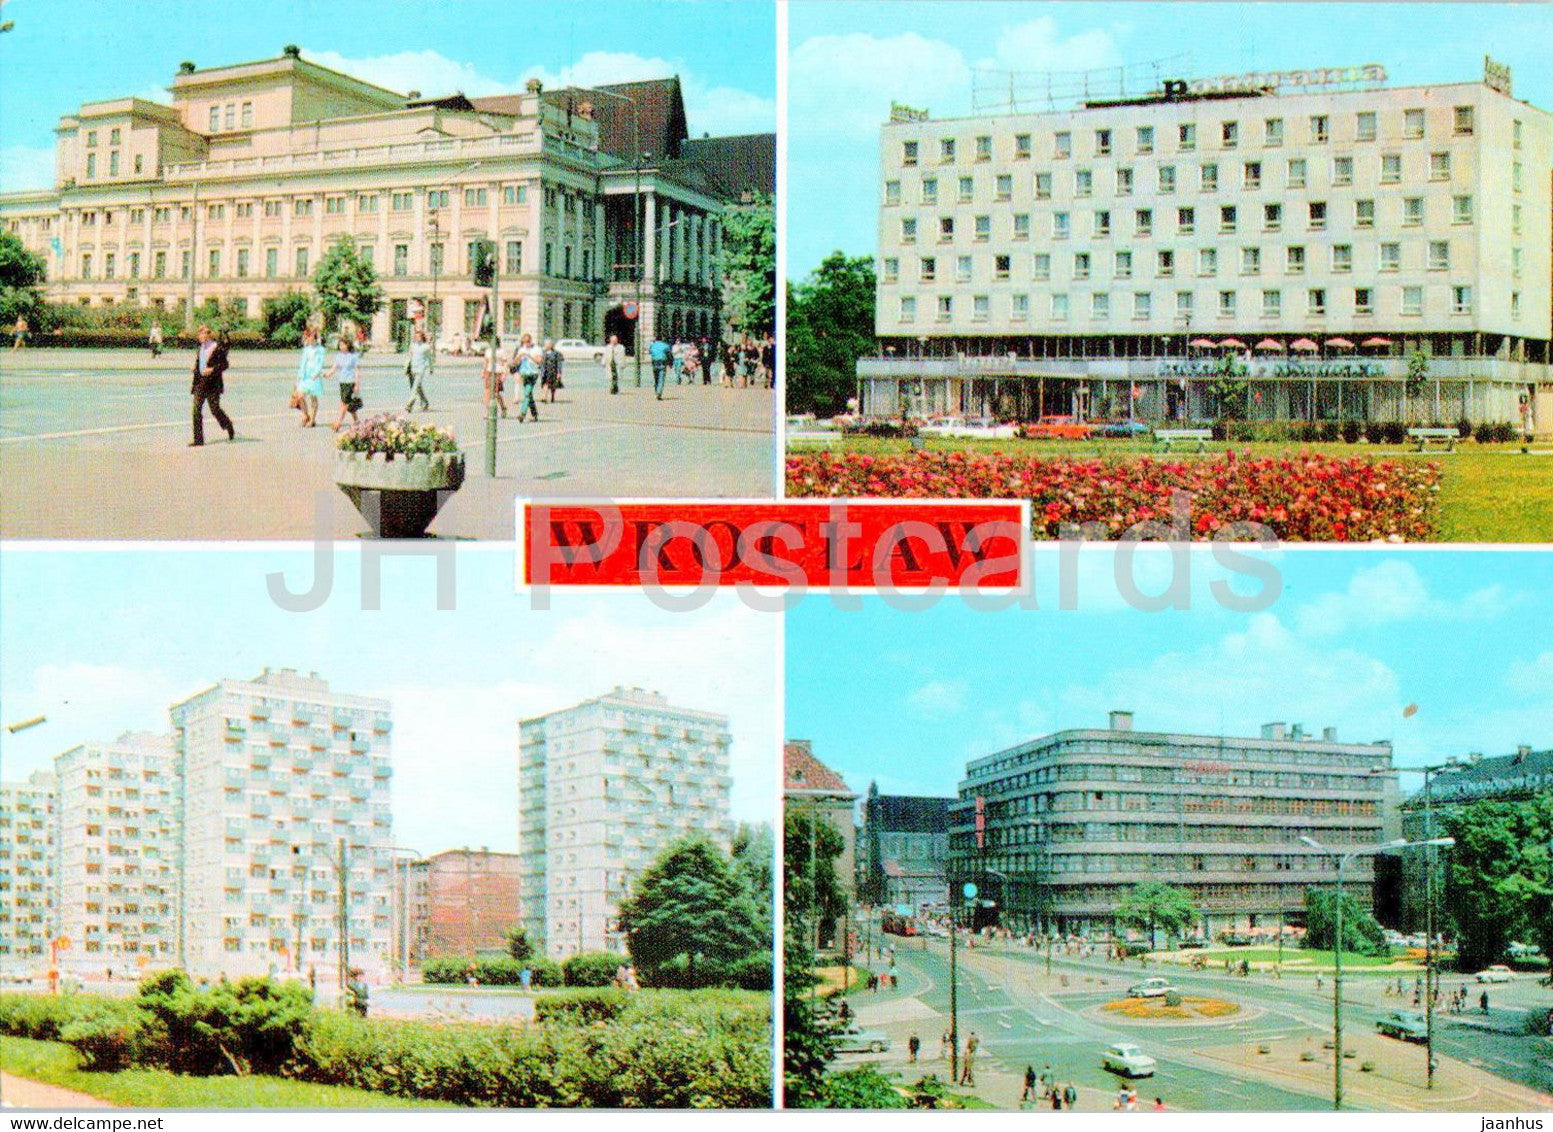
(1203, 343)
(1270, 344)
(1376, 341)
(1303, 344)
(1340, 343)
(1233, 344)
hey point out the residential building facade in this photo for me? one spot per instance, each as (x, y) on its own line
(1102, 262)
(603, 788)
(463, 902)
(1055, 831)
(29, 872)
(903, 851)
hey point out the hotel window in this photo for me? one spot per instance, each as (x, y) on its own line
(161, 216)
(1439, 255)
(927, 269)
(215, 212)
(1412, 212)
(1364, 126)
(984, 148)
(1186, 137)
(1021, 147)
(1515, 263)
(1059, 308)
(1083, 183)
(1515, 219)
(892, 192)
(909, 230)
(1439, 167)
(1251, 175)
(1516, 176)
(1062, 144)
(1390, 168)
(1060, 226)
(1021, 225)
(1461, 210)
(1516, 131)
(242, 261)
(1021, 307)
(1123, 264)
(1142, 305)
(244, 210)
(1043, 186)
(1207, 261)
(945, 151)
(214, 264)
(1342, 170)
(1272, 217)
(1165, 264)
(1342, 258)
(945, 308)
(478, 198)
(1363, 301)
(514, 194)
(91, 165)
(1186, 221)
(303, 206)
(1272, 132)
(1103, 222)
(1412, 300)
(367, 203)
(1210, 178)
(967, 189)
(159, 265)
(1413, 123)
(271, 262)
(891, 269)
(1143, 222)
(1391, 257)
(1229, 134)
(1364, 214)
(1005, 186)
(1081, 265)
(401, 259)
(945, 229)
(908, 153)
(1002, 266)
(1515, 304)
(1319, 128)
(1100, 306)
(1183, 304)
(1041, 267)
(929, 190)
(1272, 304)
(1316, 301)
(908, 308)
(1124, 182)
(1167, 178)
(1145, 139)
(1226, 304)
(1250, 261)
(1461, 300)
(1318, 215)
(962, 269)
(272, 208)
(334, 206)
(1294, 260)
(301, 263)
(1229, 217)
(1296, 173)
(1462, 120)
(1102, 143)
(981, 308)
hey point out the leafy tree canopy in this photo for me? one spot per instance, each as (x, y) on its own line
(21, 276)
(1151, 905)
(347, 286)
(749, 259)
(830, 325)
(1362, 935)
(1499, 877)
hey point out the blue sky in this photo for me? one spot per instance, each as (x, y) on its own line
(103, 642)
(1354, 638)
(848, 61)
(65, 52)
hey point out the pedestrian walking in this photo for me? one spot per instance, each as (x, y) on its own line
(423, 359)
(677, 360)
(614, 361)
(1056, 1101)
(526, 978)
(943, 1046)
(1028, 1092)
(913, 1047)
(19, 332)
(210, 366)
(310, 382)
(344, 370)
(1483, 1002)
(661, 355)
(494, 379)
(968, 1062)
(1048, 1080)
(154, 339)
(1070, 1096)
(527, 362)
(1159, 1104)
(550, 369)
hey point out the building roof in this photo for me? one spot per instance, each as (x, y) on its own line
(743, 164)
(1519, 775)
(901, 813)
(802, 773)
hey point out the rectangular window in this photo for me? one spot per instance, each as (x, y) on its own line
(984, 148)
(247, 118)
(110, 264)
(1296, 173)
(927, 269)
(1021, 307)
(945, 308)
(1005, 186)
(215, 119)
(892, 192)
(231, 115)
(514, 194)
(1145, 139)
(1002, 266)
(1363, 300)
(909, 230)
(86, 265)
(981, 308)
(1412, 300)
(1319, 128)
(1103, 222)
(1083, 183)
(1210, 178)
(1439, 166)
(1142, 305)
(1272, 304)
(1461, 210)
(242, 262)
(1342, 258)
(1272, 217)
(334, 206)
(301, 263)
(1252, 175)
(437, 198)
(1081, 265)
(890, 269)
(1228, 217)
(1318, 215)
(1412, 212)
(1229, 134)
(1207, 261)
(1186, 137)
(1390, 168)
(1515, 219)
(1294, 260)
(1390, 257)
(1059, 308)
(1272, 132)
(945, 229)
(272, 208)
(1102, 143)
(1461, 300)
(962, 269)
(1413, 123)
(945, 151)
(1041, 266)
(401, 259)
(1462, 120)
(1022, 147)
(1165, 264)
(1186, 221)
(1021, 225)
(1517, 176)
(1364, 214)
(1124, 265)
(1226, 304)
(1342, 170)
(908, 308)
(1316, 301)
(1439, 255)
(159, 265)
(1124, 182)
(113, 164)
(434, 258)
(1167, 178)
(1515, 263)
(303, 206)
(1250, 261)
(1060, 226)
(1043, 186)
(1062, 145)
(1184, 304)
(1515, 304)
(1143, 222)
(929, 190)
(215, 263)
(91, 165)
(1364, 126)
(1100, 306)
(271, 262)
(908, 153)
(1516, 132)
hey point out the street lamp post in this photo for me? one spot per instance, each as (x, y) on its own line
(434, 314)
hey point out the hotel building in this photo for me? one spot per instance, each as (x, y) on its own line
(29, 858)
(1102, 261)
(593, 199)
(603, 788)
(1055, 831)
(287, 840)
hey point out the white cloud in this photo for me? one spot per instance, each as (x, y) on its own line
(24, 167)
(1389, 592)
(938, 698)
(427, 71)
(83, 702)
(1532, 678)
(1039, 46)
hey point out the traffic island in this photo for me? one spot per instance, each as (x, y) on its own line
(1172, 1008)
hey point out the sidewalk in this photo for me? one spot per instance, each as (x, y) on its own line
(19, 1092)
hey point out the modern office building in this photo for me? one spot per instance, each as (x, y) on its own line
(1055, 831)
(903, 851)
(463, 902)
(811, 788)
(594, 198)
(29, 863)
(1316, 228)
(287, 839)
(118, 836)
(603, 788)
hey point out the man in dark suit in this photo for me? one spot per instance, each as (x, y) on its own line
(210, 362)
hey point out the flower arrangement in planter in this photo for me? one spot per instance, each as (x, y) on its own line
(399, 469)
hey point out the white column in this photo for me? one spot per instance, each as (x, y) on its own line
(650, 239)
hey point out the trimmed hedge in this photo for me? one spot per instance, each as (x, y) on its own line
(492, 971)
(103, 338)
(592, 969)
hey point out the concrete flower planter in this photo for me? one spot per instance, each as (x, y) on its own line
(405, 492)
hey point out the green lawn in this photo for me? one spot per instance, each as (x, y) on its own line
(54, 1063)
(1490, 492)
(1299, 959)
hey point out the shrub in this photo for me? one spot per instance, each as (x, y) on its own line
(1172, 998)
(863, 1087)
(1351, 430)
(585, 1007)
(492, 971)
(42, 1017)
(251, 1025)
(591, 969)
(110, 1036)
(1496, 433)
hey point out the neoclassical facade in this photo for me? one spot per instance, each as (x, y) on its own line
(597, 202)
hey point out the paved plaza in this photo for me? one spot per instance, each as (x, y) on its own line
(94, 445)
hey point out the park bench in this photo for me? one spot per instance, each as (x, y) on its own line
(1426, 436)
(1169, 437)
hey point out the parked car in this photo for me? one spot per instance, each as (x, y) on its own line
(943, 427)
(1057, 428)
(986, 428)
(576, 350)
(853, 1040)
(1404, 1024)
(1150, 988)
(1193, 941)
(1124, 429)
(1128, 1060)
(1498, 973)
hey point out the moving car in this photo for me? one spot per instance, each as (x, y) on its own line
(1128, 1060)
(1150, 988)
(1498, 973)
(576, 350)
(1404, 1024)
(853, 1040)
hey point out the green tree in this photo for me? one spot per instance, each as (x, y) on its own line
(749, 256)
(1499, 877)
(691, 919)
(1150, 905)
(21, 276)
(347, 286)
(830, 325)
(1230, 386)
(518, 945)
(861, 1087)
(812, 891)
(1362, 935)
(754, 855)
(286, 315)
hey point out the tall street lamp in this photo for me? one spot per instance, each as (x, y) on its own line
(1337, 941)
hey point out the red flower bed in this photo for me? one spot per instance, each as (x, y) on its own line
(1303, 498)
